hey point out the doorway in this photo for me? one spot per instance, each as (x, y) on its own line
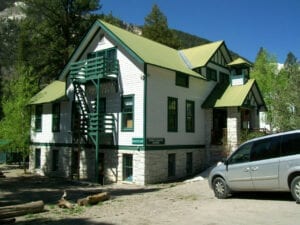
(219, 126)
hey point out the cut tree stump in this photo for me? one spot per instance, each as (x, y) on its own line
(93, 199)
(21, 209)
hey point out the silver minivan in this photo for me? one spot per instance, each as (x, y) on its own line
(269, 163)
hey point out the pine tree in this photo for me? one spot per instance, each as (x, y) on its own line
(156, 28)
(51, 31)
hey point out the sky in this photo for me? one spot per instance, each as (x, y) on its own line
(244, 25)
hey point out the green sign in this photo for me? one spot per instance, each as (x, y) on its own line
(137, 141)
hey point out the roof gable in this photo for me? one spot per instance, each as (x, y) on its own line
(199, 56)
(233, 96)
(142, 49)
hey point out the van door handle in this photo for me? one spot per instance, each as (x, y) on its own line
(246, 169)
(254, 168)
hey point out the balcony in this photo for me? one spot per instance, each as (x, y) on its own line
(94, 68)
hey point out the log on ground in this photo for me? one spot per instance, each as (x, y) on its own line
(93, 199)
(21, 209)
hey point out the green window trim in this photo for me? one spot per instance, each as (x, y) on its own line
(182, 80)
(127, 118)
(38, 118)
(190, 116)
(172, 114)
(56, 117)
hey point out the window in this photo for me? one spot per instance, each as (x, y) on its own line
(290, 144)
(127, 113)
(182, 80)
(172, 114)
(171, 165)
(211, 74)
(127, 167)
(190, 116)
(265, 149)
(37, 160)
(223, 78)
(242, 155)
(55, 158)
(55, 117)
(38, 118)
(189, 163)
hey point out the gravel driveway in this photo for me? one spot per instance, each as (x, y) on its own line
(190, 202)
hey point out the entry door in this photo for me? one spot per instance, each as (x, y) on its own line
(239, 173)
(127, 167)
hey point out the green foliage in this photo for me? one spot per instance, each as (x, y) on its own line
(250, 134)
(156, 28)
(15, 126)
(280, 90)
(266, 74)
(51, 31)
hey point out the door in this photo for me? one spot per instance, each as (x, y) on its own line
(238, 173)
(265, 164)
(127, 167)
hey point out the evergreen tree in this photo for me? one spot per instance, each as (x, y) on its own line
(156, 29)
(51, 31)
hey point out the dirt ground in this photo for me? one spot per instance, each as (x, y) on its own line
(186, 202)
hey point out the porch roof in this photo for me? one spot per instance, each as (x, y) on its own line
(233, 96)
(51, 93)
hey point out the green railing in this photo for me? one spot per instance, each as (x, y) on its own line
(98, 67)
(102, 123)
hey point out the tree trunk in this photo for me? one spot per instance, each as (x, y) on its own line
(21, 209)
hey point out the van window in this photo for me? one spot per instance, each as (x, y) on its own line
(241, 155)
(290, 144)
(265, 149)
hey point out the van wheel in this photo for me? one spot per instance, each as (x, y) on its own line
(295, 188)
(220, 188)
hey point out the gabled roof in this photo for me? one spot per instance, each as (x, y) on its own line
(142, 49)
(232, 96)
(200, 55)
(239, 61)
(51, 93)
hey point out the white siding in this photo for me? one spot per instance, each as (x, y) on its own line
(160, 86)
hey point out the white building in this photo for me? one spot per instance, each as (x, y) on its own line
(126, 108)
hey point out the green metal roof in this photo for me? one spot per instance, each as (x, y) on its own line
(141, 48)
(229, 96)
(151, 52)
(52, 92)
(239, 61)
(200, 55)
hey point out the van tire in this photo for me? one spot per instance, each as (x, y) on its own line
(220, 188)
(295, 188)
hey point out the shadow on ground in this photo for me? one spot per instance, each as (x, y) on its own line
(18, 190)
(77, 221)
